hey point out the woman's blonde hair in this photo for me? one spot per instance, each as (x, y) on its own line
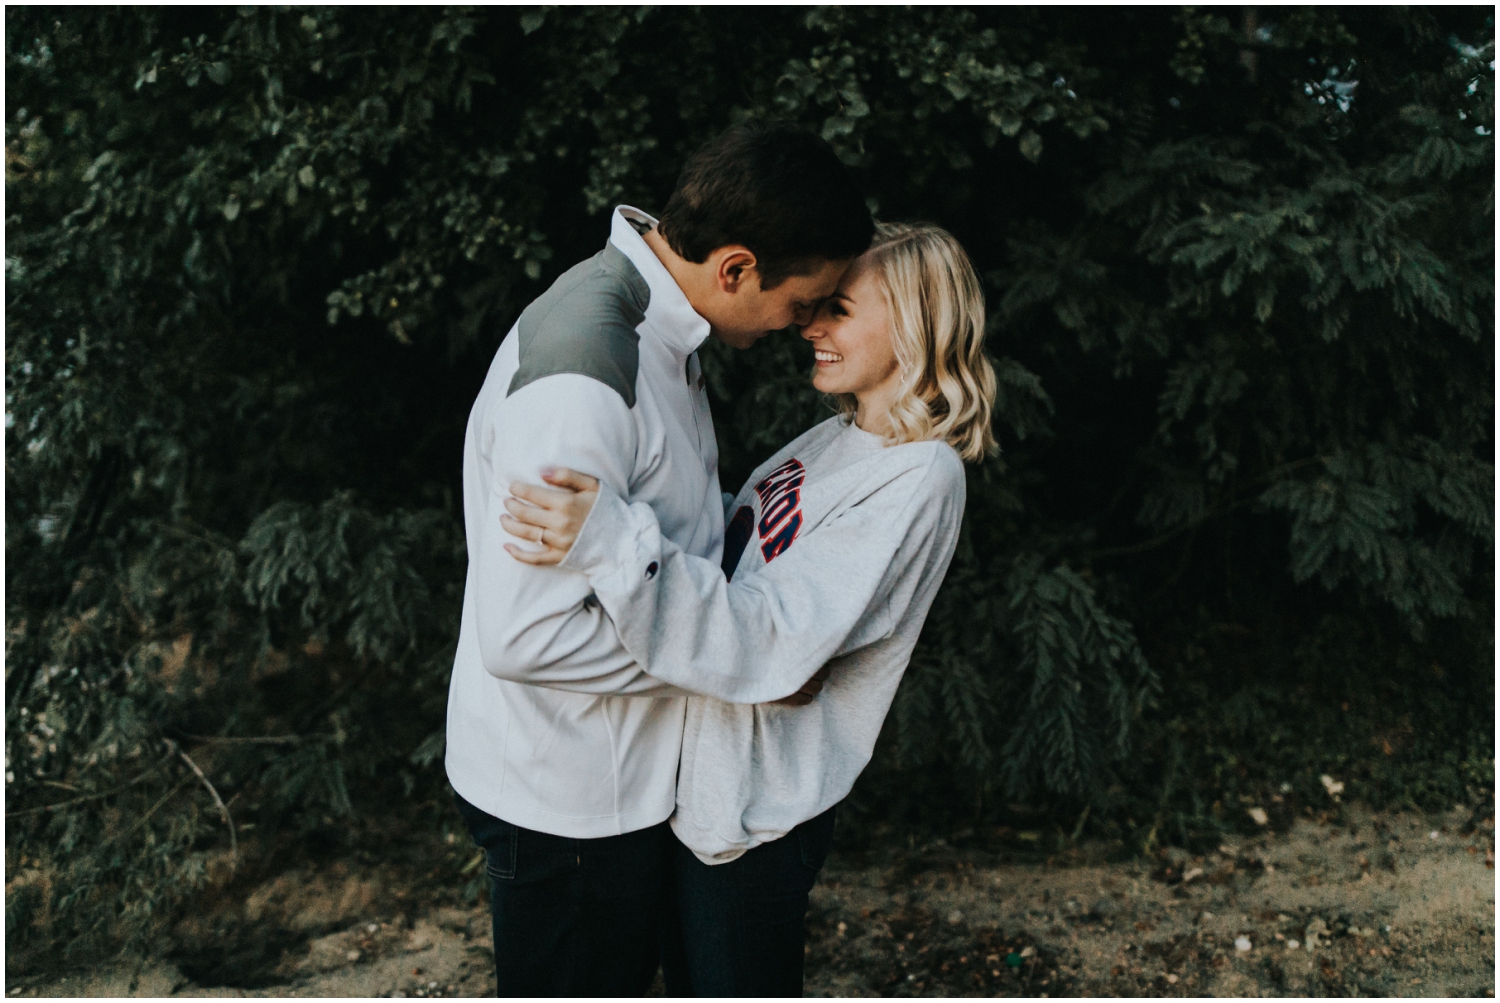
(937, 330)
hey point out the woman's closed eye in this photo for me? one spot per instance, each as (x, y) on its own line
(833, 307)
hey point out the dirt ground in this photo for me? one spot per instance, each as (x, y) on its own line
(1392, 904)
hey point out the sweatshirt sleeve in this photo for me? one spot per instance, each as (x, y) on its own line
(759, 637)
(540, 625)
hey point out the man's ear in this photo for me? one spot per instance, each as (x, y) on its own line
(733, 267)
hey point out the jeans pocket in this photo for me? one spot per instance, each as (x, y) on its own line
(500, 853)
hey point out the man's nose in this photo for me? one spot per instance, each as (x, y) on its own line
(802, 316)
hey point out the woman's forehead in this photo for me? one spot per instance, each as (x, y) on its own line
(856, 279)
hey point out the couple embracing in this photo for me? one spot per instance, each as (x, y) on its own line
(659, 693)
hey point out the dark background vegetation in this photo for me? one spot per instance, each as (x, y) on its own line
(1239, 265)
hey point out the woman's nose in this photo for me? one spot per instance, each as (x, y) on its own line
(812, 331)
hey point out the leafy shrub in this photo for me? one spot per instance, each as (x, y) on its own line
(259, 259)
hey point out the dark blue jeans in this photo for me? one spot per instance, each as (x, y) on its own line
(741, 925)
(573, 917)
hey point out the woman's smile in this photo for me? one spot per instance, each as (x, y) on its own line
(852, 348)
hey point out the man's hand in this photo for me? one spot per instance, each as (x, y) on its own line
(809, 690)
(550, 517)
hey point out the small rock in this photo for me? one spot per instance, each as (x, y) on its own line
(1027, 951)
(1259, 816)
(955, 917)
(1196, 872)
(1171, 978)
(327, 954)
(1332, 786)
(1242, 943)
(1293, 944)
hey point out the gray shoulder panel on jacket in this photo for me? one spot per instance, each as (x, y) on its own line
(585, 324)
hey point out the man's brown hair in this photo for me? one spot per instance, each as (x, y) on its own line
(774, 188)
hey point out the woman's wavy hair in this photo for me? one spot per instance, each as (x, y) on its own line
(937, 330)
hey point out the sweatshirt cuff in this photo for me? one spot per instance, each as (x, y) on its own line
(609, 538)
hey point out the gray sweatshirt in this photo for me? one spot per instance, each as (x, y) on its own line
(833, 552)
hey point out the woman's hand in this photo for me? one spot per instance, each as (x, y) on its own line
(809, 690)
(549, 516)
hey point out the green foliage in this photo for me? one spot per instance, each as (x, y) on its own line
(1241, 284)
(1257, 721)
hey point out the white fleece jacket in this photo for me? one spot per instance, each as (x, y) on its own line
(552, 724)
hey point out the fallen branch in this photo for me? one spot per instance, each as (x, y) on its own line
(234, 843)
(79, 800)
(149, 812)
(253, 739)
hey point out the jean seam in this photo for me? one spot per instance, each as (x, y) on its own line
(508, 872)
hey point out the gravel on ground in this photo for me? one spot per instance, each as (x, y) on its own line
(1384, 904)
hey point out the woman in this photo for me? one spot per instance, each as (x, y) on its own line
(833, 552)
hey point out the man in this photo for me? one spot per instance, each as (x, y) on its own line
(562, 750)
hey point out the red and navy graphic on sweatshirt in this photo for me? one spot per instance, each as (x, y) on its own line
(780, 497)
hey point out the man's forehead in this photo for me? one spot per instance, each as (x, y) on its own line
(822, 280)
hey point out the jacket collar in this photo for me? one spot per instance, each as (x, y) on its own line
(670, 316)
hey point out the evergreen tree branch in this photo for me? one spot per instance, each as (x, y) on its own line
(1217, 512)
